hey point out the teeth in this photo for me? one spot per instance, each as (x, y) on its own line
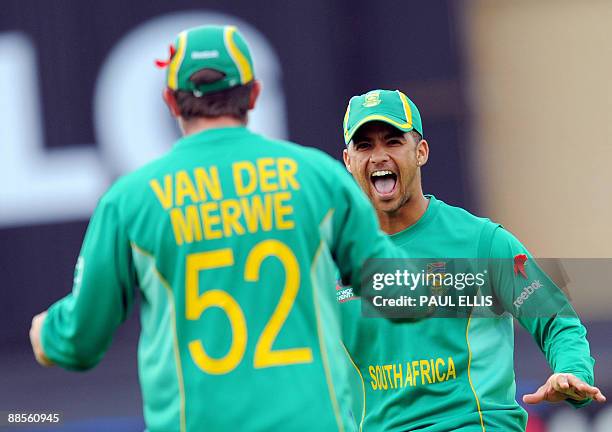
(381, 173)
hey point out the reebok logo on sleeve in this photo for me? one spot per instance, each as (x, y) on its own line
(526, 293)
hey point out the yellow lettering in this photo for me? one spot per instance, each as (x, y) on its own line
(230, 213)
(425, 372)
(408, 375)
(210, 183)
(186, 226)
(208, 220)
(257, 213)
(440, 363)
(164, 195)
(397, 377)
(280, 211)
(184, 187)
(387, 369)
(373, 381)
(415, 371)
(266, 174)
(451, 368)
(382, 378)
(433, 370)
(287, 168)
(243, 188)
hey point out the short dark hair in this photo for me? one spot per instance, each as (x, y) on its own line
(417, 136)
(232, 102)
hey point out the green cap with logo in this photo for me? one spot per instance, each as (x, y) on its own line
(389, 106)
(221, 48)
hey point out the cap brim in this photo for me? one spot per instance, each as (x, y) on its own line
(394, 121)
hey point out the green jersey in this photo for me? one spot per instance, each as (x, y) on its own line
(231, 240)
(444, 374)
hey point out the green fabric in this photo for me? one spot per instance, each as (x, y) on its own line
(384, 351)
(221, 48)
(201, 198)
(389, 106)
(562, 338)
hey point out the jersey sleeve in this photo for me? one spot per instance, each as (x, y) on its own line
(79, 328)
(541, 307)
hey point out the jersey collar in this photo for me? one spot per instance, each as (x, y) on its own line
(406, 235)
(209, 135)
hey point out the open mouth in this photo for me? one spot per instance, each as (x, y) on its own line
(384, 182)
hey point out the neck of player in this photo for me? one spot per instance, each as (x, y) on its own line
(404, 217)
(200, 124)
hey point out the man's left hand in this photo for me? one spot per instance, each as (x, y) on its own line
(35, 330)
(561, 386)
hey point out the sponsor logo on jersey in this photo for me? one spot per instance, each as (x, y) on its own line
(526, 293)
(519, 265)
(344, 293)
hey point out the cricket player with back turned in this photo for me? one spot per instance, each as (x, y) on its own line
(447, 374)
(231, 240)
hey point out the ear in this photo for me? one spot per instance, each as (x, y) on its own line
(255, 91)
(347, 161)
(422, 152)
(170, 100)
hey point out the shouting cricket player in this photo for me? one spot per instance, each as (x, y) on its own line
(447, 374)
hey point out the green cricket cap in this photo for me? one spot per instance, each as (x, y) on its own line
(221, 48)
(389, 106)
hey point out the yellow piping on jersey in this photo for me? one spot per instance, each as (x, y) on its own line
(467, 329)
(328, 378)
(363, 411)
(177, 357)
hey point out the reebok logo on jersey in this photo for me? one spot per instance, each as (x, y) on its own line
(344, 294)
(527, 291)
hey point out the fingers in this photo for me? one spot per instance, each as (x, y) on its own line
(532, 399)
(599, 397)
(580, 385)
(560, 382)
(566, 385)
(35, 330)
(561, 386)
(580, 390)
(537, 397)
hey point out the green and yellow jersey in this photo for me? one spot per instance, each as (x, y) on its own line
(232, 242)
(443, 374)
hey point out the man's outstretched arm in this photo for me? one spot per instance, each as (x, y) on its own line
(76, 331)
(547, 314)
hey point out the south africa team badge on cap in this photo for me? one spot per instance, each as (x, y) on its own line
(372, 99)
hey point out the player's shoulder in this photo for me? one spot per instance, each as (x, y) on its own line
(128, 187)
(504, 238)
(459, 214)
